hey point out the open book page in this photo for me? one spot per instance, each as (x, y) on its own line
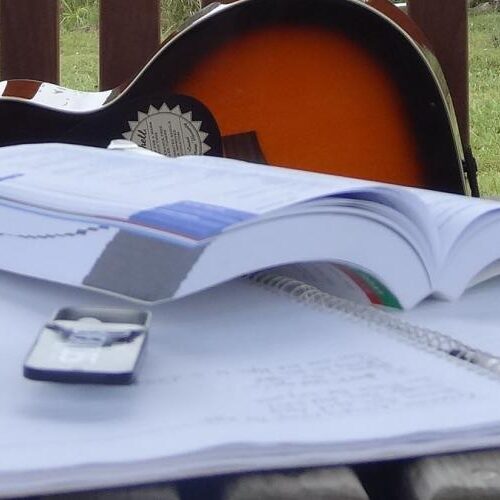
(469, 230)
(236, 378)
(192, 203)
(99, 182)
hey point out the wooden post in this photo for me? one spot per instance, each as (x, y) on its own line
(129, 36)
(29, 40)
(445, 22)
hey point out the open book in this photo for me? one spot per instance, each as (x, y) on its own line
(153, 229)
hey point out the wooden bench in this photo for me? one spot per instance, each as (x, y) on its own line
(33, 52)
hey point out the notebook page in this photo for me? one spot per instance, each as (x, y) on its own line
(473, 320)
(234, 378)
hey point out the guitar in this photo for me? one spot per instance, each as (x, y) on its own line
(337, 86)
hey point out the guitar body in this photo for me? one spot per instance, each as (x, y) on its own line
(335, 86)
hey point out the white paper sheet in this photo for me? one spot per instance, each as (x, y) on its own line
(235, 378)
(473, 319)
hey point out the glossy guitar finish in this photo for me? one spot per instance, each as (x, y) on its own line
(338, 86)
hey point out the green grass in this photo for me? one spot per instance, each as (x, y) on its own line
(79, 65)
(79, 37)
(79, 14)
(174, 12)
(485, 98)
(79, 61)
(84, 14)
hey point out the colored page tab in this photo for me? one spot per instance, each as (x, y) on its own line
(189, 219)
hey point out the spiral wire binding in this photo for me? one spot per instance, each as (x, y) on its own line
(430, 339)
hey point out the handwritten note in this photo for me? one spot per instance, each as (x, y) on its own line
(234, 378)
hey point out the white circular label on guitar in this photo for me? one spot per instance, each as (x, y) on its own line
(168, 131)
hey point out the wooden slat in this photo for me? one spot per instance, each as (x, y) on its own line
(336, 483)
(129, 36)
(445, 23)
(452, 477)
(29, 39)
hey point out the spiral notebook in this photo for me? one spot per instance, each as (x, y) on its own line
(401, 324)
(256, 374)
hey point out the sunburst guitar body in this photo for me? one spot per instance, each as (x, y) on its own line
(336, 86)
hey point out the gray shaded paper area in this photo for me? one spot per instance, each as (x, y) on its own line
(142, 267)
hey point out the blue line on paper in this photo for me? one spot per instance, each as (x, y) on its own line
(12, 176)
(191, 219)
